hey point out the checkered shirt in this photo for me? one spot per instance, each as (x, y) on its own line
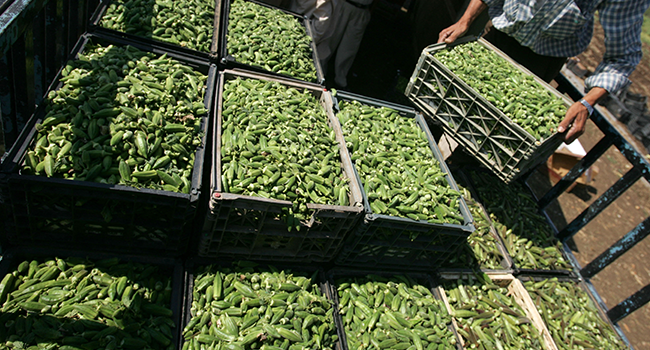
(563, 28)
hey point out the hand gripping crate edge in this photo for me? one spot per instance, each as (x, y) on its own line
(475, 123)
(384, 241)
(241, 226)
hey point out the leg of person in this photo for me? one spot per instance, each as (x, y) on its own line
(545, 67)
(331, 39)
(357, 20)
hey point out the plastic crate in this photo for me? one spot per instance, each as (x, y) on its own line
(73, 214)
(385, 241)
(231, 62)
(483, 130)
(593, 304)
(211, 55)
(165, 267)
(359, 275)
(248, 267)
(250, 227)
(516, 290)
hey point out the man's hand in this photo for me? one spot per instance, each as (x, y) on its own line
(453, 32)
(574, 122)
(577, 115)
(456, 30)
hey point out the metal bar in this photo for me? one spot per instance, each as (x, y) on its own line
(38, 44)
(629, 305)
(19, 87)
(601, 203)
(6, 102)
(51, 64)
(15, 19)
(619, 248)
(588, 160)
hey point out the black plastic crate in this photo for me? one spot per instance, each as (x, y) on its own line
(483, 130)
(193, 266)
(66, 213)
(386, 241)
(231, 62)
(360, 277)
(158, 269)
(250, 227)
(148, 37)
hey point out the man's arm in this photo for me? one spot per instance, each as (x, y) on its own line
(456, 30)
(621, 21)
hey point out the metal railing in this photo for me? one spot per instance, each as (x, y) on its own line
(640, 169)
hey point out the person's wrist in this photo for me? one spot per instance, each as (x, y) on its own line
(587, 105)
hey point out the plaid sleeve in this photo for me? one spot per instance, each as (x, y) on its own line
(621, 21)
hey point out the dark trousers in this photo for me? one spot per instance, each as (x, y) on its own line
(545, 67)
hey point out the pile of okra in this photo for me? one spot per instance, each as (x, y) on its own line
(571, 316)
(392, 313)
(525, 233)
(270, 38)
(397, 168)
(276, 143)
(121, 116)
(245, 307)
(488, 317)
(74, 304)
(481, 250)
(188, 23)
(517, 94)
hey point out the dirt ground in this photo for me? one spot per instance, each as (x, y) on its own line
(630, 272)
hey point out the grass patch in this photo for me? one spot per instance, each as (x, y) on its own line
(645, 30)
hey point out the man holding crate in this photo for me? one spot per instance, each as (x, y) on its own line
(541, 34)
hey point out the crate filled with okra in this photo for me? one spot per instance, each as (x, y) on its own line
(114, 156)
(282, 187)
(571, 315)
(493, 311)
(246, 305)
(415, 216)
(259, 37)
(188, 27)
(73, 299)
(526, 234)
(496, 110)
(390, 310)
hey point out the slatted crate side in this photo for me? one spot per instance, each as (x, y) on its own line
(482, 129)
(515, 290)
(252, 227)
(71, 212)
